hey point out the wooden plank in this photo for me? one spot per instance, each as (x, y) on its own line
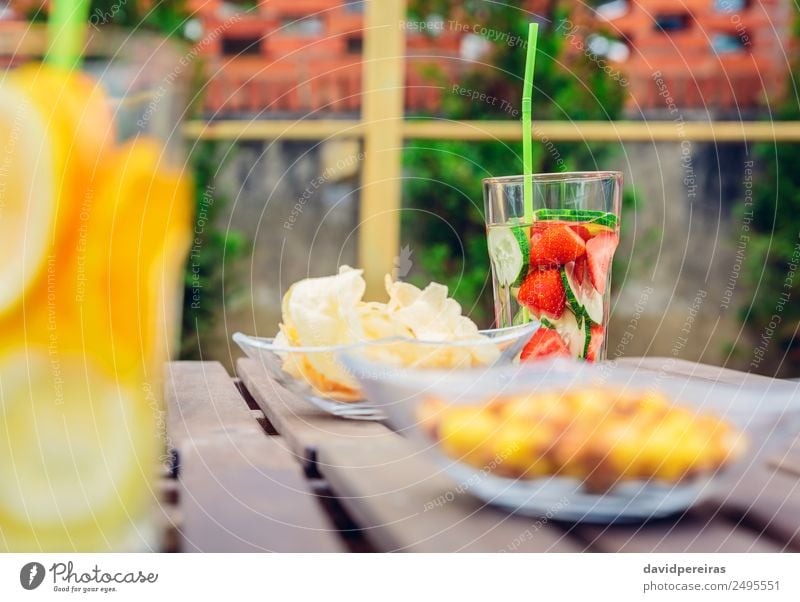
(304, 427)
(677, 367)
(404, 503)
(382, 116)
(787, 461)
(767, 501)
(201, 401)
(765, 498)
(169, 524)
(386, 491)
(394, 482)
(240, 489)
(249, 495)
(168, 517)
(508, 130)
(701, 529)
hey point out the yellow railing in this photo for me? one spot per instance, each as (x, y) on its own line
(383, 127)
(557, 131)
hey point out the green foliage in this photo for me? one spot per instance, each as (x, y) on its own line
(443, 178)
(164, 16)
(774, 246)
(205, 291)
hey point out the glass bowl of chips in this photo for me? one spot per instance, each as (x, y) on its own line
(577, 442)
(324, 317)
(318, 375)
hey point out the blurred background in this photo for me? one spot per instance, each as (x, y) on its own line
(696, 102)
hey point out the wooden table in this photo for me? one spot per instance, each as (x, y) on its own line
(258, 469)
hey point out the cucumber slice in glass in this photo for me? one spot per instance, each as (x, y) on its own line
(510, 252)
(583, 299)
(601, 218)
(587, 326)
(592, 301)
(572, 288)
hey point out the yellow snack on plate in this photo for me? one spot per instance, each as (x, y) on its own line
(600, 435)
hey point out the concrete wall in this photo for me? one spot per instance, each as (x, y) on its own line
(680, 292)
(297, 204)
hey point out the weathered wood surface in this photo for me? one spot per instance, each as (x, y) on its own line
(250, 495)
(702, 529)
(305, 427)
(239, 488)
(406, 504)
(676, 367)
(401, 502)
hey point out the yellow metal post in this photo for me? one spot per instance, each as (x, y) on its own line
(382, 118)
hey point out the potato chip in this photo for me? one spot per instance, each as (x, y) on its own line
(378, 323)
(329, 311)
(321, 312)
(430, 314)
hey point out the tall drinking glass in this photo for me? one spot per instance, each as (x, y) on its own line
(95, 224)
(552, 261)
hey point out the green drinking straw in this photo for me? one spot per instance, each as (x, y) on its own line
(66, 32)
(527, 139)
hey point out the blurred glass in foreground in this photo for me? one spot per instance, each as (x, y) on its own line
(95, 214)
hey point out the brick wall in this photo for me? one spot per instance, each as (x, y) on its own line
(711, 54)
(302, 57)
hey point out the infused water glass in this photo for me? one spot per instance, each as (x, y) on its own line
(95, 225)
(551, 260)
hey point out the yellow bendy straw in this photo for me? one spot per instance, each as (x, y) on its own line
(527, 149)
(66, 32)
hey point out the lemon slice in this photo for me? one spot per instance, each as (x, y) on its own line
(82, 132)
(57, 129)
(76, 456)
(28, 176)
